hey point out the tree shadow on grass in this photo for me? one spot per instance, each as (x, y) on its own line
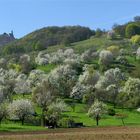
(15, 128)
(73, 116)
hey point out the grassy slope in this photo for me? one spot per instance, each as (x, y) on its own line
(47, 68)
(96, 43)
(11, 127)
(80, 114)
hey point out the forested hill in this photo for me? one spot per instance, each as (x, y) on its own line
(49, 36)
(80, 72)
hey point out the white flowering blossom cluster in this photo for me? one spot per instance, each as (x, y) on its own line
(138, 53)
(25, 58)
(111, 83)
(11, 81)
(78, 91)
(58, 106)
(20, 109)
(114, 76)
(63, 78)
(36, 77)
(111, 34)
(86, 80)
(138, 109)
(89, 76)
(56, 57)
(131, 93)
(42, 95)
(132, 87)
(22, 85)
(6, 75)
(122, 52)
(7, 82)
(3, 63)
(105, 57)
(122, 60)
(55, 110)
(42, 59)
(97, 110)
(111, 76)
(89, 55)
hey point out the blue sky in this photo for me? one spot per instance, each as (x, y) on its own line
(25, 16)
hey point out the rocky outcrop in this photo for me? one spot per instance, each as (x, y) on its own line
(6, 38)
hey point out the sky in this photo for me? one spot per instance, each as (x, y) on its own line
(25, 16)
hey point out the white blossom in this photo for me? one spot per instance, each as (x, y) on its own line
(105, 57)
(42, 95)
(20, 109)
(89, 55)
(36, 77)
(132, 87)
(138, 109)
(63, 79)
(138, 53)
(58, 106)
(110, 77)
(114, 76)
(78, 91)
(24, 58)
(89, 76)
(56, 57)
(42, 59)
(97, 110)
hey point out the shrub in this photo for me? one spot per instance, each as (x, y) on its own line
(111, 112)
(114, 49)
(105, 57)
(132, 29)
(135, 39)
(111, 35)
(66, 122)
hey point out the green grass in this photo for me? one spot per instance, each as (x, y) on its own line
(20, 96)
(80, 115)
(11, 127)
(47, 68)
(93, 42)
(136, 71)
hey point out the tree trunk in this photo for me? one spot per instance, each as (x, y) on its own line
(23, 94)
(42, 118)
(97, 120)
(22, 121)
(0, 122)
(42, 121)
(123, 122)
(114, 105)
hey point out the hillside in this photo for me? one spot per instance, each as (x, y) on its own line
(71, 77)
(52, 36)
(94, 42)
(45, 37)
